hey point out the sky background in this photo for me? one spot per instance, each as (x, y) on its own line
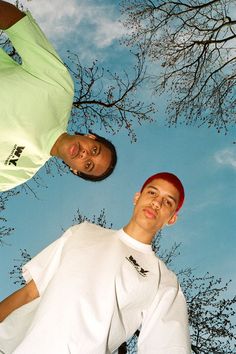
(204, 160)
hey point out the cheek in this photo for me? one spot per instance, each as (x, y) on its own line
(137, 210)
(167, 217)
(76, 165)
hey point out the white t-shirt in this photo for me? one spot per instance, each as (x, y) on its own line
(97, 287)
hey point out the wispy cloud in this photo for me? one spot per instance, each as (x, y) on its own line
(107, 31)
(58, 18)
(226, 157)
(206, 199)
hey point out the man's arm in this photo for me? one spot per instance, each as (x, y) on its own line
(21, 297)
(165, 327)
(9, 15)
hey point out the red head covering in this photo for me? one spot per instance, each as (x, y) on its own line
(173, 180)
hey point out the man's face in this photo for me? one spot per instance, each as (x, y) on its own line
(83, 153)
(156, 206)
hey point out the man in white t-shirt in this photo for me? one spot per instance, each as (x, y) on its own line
(36, 99)
(90, 290)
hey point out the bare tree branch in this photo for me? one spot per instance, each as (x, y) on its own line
(107, 98)
(195, 43)
(5, 231)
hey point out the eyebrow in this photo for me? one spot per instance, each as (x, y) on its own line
(168, 195)
(99, 148)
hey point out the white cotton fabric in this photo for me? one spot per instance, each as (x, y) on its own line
(97, 287)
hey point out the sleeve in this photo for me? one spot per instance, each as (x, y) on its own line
(38, 55)
(42, 267)
(165, 327)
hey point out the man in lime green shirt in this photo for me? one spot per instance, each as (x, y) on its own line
(35, 105)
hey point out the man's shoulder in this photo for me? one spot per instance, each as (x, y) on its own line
(89, 227)
(168, 277)
(88, 234)
(39, 56)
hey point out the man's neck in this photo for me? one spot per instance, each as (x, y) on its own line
(138, 233)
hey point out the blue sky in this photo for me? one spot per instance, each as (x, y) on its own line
(203, 159)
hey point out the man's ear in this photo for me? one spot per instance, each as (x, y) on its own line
(91, 136)
(172, 220)
(74, 171)
(136, 197)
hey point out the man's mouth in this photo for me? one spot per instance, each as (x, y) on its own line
(150, 213)
(74, 150)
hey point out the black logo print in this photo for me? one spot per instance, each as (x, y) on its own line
(15, 155)
(139, 269)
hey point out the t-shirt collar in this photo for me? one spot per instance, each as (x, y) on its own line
(133, 243)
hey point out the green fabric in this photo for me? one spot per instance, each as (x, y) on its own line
(35, 103)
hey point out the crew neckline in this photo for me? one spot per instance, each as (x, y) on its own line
(133, 243)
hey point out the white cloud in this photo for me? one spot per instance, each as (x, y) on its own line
(55, 17)
(58, 18)
(226, 157)
(107, 31)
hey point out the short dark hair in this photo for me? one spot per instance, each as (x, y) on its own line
(110, 168)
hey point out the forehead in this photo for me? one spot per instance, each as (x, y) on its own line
(165, 187)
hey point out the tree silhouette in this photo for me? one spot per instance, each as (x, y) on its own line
(210, 313)
(5, 231)
(194, 43)
(16, 272)
(107, 99)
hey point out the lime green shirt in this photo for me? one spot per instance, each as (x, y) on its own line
(35, 103)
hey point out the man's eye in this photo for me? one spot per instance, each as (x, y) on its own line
(168, 203)
(151, 192)
(87, 165)
(94, 150)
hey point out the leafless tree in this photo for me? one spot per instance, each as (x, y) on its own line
(107, 99)
(211, 314)
(194, 43)
(16, 272)
(98, 220)
(5, 231)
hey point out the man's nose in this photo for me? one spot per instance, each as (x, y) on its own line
(156, 202)
(83, 153)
